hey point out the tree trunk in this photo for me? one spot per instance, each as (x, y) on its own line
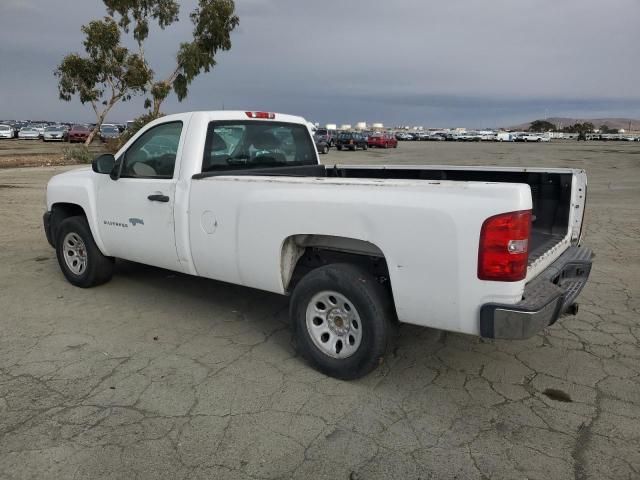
(156, 107)
(92, 135)
(100, 119)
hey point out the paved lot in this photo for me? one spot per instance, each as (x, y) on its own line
(157, 375)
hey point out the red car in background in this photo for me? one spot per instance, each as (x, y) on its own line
(78, 133)
(382, 140)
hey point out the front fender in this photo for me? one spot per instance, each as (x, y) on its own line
(77, 187)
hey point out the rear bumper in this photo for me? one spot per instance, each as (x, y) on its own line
(545, 299)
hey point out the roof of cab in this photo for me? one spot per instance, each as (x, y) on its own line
(212, 115)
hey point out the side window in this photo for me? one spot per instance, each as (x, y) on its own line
(153, 155)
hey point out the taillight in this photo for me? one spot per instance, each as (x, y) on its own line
(266, 115)
(504, 247)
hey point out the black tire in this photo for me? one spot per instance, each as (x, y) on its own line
(373, 305)
(325, 149)
(365, 146)
(98, 270)
(339, 147)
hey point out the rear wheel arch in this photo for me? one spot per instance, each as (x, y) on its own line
(303, 253)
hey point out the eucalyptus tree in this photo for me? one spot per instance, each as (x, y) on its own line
(107, 73)
(213, 21)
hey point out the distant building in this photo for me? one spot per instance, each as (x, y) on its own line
(361, 126)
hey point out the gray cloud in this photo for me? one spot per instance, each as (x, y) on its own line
(411, 61)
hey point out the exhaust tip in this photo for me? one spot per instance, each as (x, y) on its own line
(572, 309)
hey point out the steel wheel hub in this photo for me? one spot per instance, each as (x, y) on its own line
(334, 324)
(75, 253)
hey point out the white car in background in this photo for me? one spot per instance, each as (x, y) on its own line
(535, 137)
(40, 128)
(28, 133)
(6, 131)
(55, 133)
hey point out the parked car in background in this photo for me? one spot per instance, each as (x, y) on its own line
(321, 144)
(351, 141)
(78, 133)
(39, 127)
(504, 137)
(6, 131)
(28, 133)
(404, 136)
(108, 132)
(535, 137)
(326, 135)
(55, 133)
(382, 140)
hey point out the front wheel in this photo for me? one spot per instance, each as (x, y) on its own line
(325, 149)
(341, 318)
(340, 147)
(80, 260)
(365, 146)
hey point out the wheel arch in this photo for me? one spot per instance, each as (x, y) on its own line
(302, 253)
(61, 211)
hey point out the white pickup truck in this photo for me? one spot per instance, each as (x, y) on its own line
(241, 197)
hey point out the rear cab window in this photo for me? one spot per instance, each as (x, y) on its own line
(242, 144)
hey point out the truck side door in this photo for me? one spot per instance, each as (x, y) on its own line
(136, 211)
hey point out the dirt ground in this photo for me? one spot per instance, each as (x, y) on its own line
(36, 153)
(158, 375)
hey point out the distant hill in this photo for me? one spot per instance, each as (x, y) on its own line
(615, 123)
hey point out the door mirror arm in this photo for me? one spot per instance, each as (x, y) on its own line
(115, 171)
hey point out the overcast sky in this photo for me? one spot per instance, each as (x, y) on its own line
(418, 62)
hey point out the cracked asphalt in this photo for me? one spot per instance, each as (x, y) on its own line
(158, 375)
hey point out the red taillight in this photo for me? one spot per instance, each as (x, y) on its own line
(504, 247)
(267, 115)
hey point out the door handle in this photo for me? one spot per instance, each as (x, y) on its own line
(158, 198)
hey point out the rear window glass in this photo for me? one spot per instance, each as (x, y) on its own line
(236, 145)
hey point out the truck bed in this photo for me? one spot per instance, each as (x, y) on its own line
(550, 189)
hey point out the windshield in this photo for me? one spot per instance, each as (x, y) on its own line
(345, 135)
(53, 129)
(322, 131)
(80, 128)
(236, 145)
(110, 130)
(5, 127)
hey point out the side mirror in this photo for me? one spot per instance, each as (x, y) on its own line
(104, 163)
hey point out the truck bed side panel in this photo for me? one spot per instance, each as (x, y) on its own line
(428, 232)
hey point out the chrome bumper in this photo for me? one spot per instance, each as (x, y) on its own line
(547, 297)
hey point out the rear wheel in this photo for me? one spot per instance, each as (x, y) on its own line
(365, 146)
(341, 318)
(80, 260)
(325, 149)
(339, 147)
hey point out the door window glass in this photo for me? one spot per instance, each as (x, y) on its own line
(153, 155)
